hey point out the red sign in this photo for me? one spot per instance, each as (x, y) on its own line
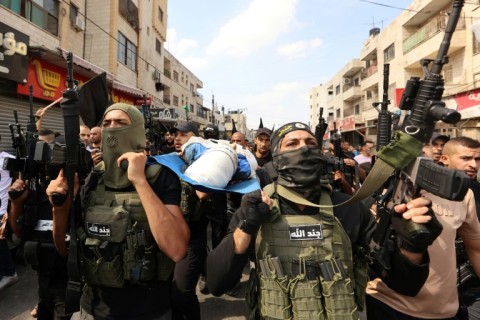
(139, 102)
(468, 99)
(48, 80)
(398, 96)
(118, 96)
(347, 124)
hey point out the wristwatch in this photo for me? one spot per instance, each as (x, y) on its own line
(247, 227)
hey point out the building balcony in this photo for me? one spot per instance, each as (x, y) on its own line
(351, 92)
(369, 49)
(371, 70)
(352, 68)
(197, 119)
(372, 81)
(370, 114)
(424, 10)
(358, 119)
(427, 40)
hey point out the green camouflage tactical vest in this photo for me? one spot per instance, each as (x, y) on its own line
(305, 268)
(116, 242)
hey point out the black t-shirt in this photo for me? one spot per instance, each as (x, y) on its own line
(261, 161)
(164, 149)
(136, 301)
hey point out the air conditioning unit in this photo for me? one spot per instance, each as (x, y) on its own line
(346, 80)
(79, 23)
(156, 75)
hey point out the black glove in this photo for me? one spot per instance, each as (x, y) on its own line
(416, 237)
(254, 212)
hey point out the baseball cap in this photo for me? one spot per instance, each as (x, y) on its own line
(266, 131)
(211, 131)
(185, 127)
(437, 135)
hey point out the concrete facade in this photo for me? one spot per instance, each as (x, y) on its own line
(415, 34)
(93, 31)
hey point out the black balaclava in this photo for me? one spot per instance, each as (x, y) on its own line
(117, 141)
(301, 168)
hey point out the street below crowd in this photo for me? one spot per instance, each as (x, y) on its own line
(18, 300)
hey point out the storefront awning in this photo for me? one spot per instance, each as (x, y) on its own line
(127, 89)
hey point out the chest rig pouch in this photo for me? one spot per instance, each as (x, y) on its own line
(305, 266)
(117, 245)
(192, 207)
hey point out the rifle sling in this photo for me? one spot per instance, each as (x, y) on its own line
(380, 172)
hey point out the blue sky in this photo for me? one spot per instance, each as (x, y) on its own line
(263, 56)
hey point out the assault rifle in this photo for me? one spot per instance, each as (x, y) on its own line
(336, 140)
(384, 123)
(423, 100)
(74, 152)
(75, 164)
(18, 142)
(337, 149)
(320, 128)
(337, 163)
(465, 270)
(153, 131)
(24, 145)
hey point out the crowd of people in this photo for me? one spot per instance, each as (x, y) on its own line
(142, 248)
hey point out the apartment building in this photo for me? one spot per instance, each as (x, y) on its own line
(415, 34)
(340, 100)
(237, 117)
(123, 38)
(180, 92)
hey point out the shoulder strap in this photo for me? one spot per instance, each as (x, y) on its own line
(152, 172)
(325, 200)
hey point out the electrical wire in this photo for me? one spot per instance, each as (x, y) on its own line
(116, 40)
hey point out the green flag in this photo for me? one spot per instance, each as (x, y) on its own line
(185, 107)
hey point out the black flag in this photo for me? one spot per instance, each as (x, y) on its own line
(261, 124)
(234, 129)
(93, 100)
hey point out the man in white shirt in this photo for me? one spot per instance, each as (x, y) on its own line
(7, 267)
(365, 153)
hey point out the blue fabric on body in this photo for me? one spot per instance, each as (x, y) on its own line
(177, 165)
(243, 170)
(193, 152)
